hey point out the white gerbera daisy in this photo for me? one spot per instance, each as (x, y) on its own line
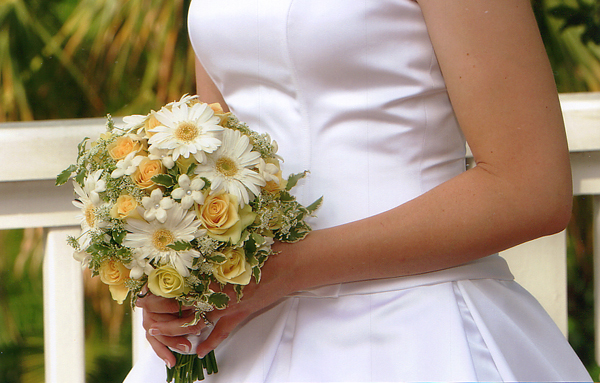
(92, 186)
(134, 121)
(229, 168)
(153, 238)
(185, 99)
(187, 130)
(88, 200)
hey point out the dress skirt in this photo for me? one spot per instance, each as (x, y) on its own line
(470, 323)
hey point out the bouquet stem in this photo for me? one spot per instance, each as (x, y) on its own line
(190, 368)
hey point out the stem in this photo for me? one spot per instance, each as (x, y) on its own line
(189, 368)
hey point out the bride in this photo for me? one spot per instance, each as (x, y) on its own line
(400, 280)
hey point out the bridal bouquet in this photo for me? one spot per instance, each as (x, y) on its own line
(182, 200)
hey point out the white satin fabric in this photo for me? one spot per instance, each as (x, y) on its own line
(352, 91)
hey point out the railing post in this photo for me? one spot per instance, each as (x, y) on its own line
(596, 229)
(63, 310)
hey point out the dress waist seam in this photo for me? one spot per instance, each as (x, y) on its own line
(491, 267)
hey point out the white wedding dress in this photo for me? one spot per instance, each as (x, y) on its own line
(351, 90)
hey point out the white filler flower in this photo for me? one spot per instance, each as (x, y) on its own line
(189, 191)
(187, 130)
(156, 206)
(229, 168)
(153, 239)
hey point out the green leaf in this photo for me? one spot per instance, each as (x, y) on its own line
(293, 179)
(99, 248)
(118, 236)
(180, 246)
(80, 176)
(250, 246)
(284, 196)
(164, 179)
(81, 147)
(315, 205)
(219, 300)
(191, 168)
(64, 176)
(257, 274)
(216, 258)
(239, 292)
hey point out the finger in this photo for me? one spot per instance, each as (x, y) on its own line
(178, 344)
(162, 351)
(221, 331)
(149, 319)
(176, 327)
(157, 304)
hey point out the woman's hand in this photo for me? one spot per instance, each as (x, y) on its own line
(165, 328)
(160, 313)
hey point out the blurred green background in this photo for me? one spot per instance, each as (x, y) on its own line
(84, 58)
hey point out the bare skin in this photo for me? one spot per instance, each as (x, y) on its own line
(501, 87)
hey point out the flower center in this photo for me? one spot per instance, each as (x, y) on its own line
(226, 166)
(186, 131)
(161, 238)
(90, 216)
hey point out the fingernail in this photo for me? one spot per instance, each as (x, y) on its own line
(154, 332)
(183, 348)
(168, 363)
(201, 354)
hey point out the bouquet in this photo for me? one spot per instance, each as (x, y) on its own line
(182, 200)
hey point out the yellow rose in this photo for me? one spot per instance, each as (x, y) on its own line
(151, 123)
(167, 282)
(122, 146)
(216, 107)
(125, 207)
(235, 269)
(114, 274)
(183, 164)
(221, 217)
(146, 170)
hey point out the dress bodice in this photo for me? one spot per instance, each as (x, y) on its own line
(350, 90)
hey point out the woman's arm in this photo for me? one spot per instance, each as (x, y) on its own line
(501, 87)
(206, 90)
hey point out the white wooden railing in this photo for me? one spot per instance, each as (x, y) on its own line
(33, 153)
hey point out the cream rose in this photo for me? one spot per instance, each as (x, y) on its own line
(114, 274)
(270, 170)
(146, 170)
(122, 146)
(221, 217)
(167, 282)
(124, 207)
(235, 269)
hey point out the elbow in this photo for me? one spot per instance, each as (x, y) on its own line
(558, 217)
(552, 208)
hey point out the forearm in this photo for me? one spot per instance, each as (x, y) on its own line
(471, 216)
